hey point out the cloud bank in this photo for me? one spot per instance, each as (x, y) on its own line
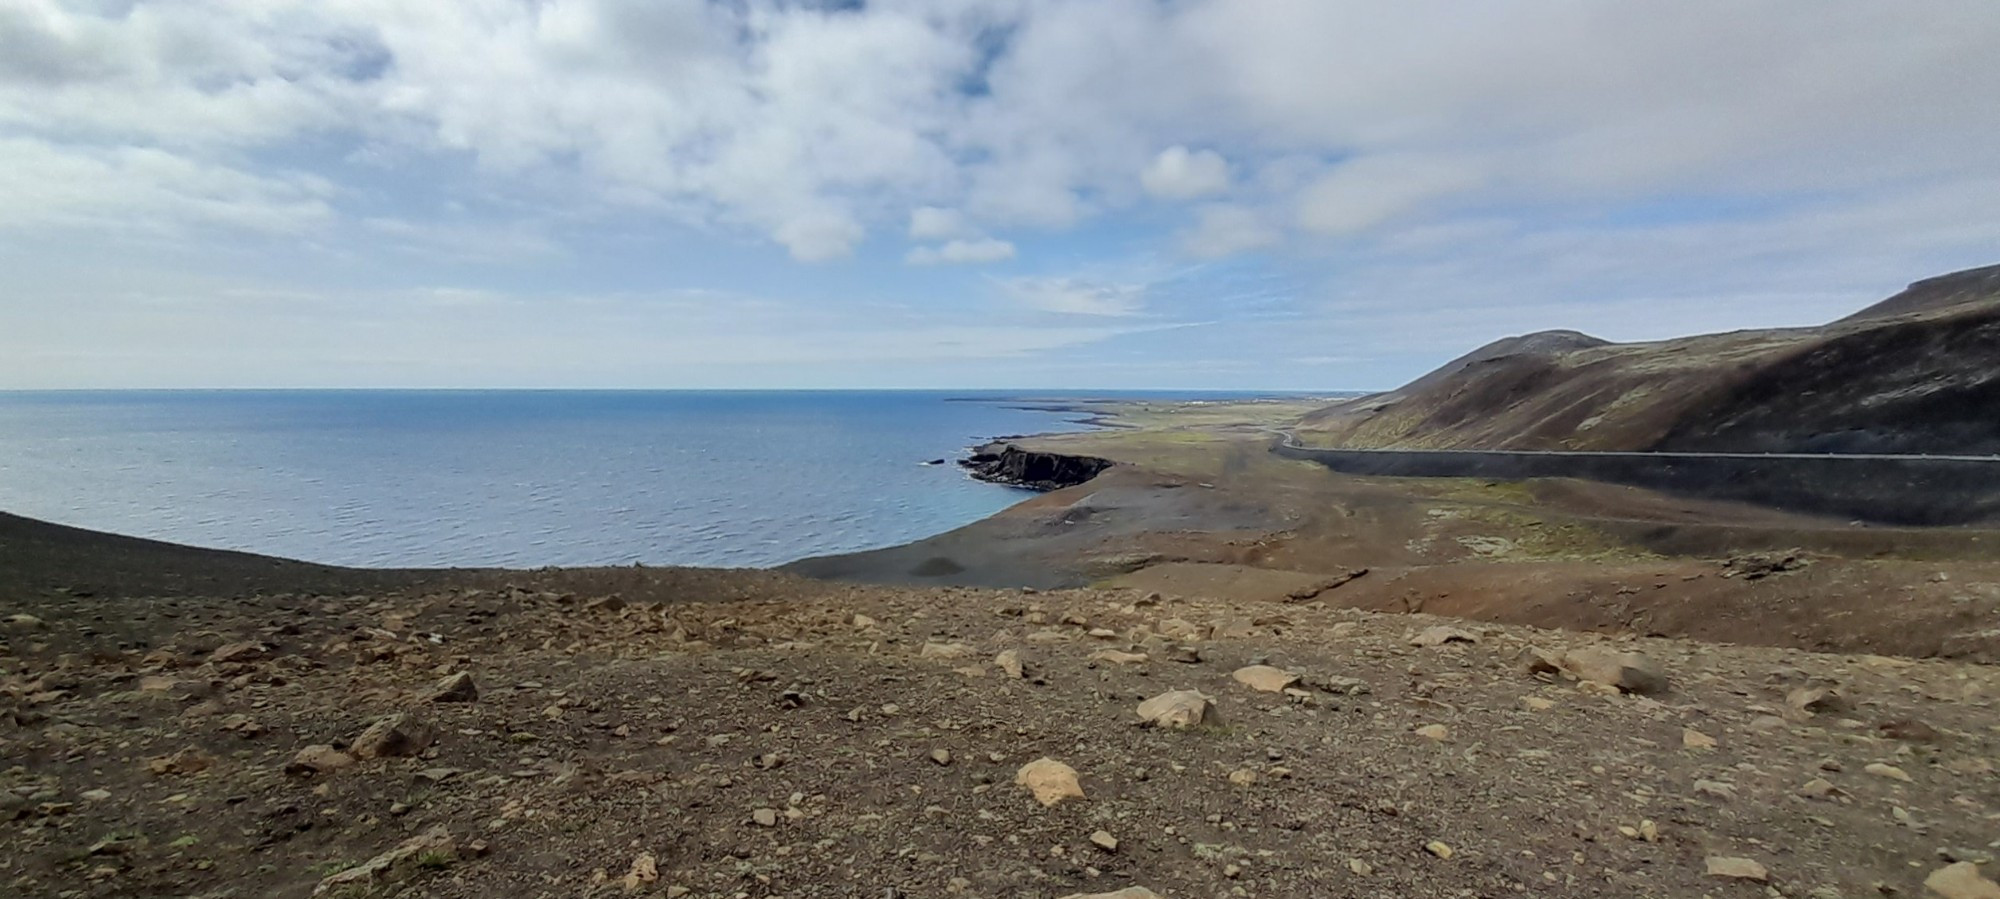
(1455, 156)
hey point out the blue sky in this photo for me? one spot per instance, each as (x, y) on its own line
(1281, 194)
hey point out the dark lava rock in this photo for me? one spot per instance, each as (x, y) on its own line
(1012, 465)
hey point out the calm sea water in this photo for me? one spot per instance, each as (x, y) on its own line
(507, 478)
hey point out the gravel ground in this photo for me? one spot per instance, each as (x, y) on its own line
(866, 741)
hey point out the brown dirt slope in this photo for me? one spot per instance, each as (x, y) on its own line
(1919, 373)
(865, 742)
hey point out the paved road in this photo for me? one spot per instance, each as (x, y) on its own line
(1292, 443)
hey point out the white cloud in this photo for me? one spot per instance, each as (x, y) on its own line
(1433, 154)
(455, 337)
(820, 235)
(1363, 193)
(131, 189)
(933, 223)
(1178, 174)
(806, 123)
(477, 241)
(974, 251)
(1224, 229)
(1076, 296)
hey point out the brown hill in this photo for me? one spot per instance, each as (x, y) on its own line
(1915, 373)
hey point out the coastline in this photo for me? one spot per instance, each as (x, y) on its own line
(1197, 504)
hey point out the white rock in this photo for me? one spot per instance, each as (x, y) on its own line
(1961, 881)
(1738, 868)
(1889, 771)
(1177, 709)
(1265, 678)
(1049, 780)
(1630, 672)
(1442, 634)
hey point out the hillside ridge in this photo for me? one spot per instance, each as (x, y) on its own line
(1916, 373)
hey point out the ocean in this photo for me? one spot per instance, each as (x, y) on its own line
(511, 478)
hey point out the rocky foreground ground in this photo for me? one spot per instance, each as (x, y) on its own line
(878, 742)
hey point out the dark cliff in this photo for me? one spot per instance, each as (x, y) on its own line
(1014, 466)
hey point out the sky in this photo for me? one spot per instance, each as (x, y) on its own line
(1256, 194)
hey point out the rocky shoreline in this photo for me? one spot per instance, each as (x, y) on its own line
(1005, 463)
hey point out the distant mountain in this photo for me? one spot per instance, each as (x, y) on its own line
(1969, 287)
(1918, 372)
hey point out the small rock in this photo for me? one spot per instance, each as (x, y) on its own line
(391, 736)
(863, 622)
(186, 761)
(1126, 893)
(1104, 840)
(1265, 678)
(1336, 685)
(645, 869)
(238, 652)
(399, 863)
(1538, 703)
(318, 758)
(1009, 661)
(941, 756)
(1119, 657)
(1177, 709)
(1438, 849)
(1437, 732)
(1961, 881)
(1738, 868)
(1722, 791)
(1049, 780)
(1818, 788)
(1694, 739)
(1535, 660)
(455, 688)
(1817, 700)
(1889, 771)
(765, 817)
(1442, 634)
(1909, 730)
(944, 651)
(1630, 672)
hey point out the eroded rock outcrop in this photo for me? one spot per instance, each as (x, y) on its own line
(1014, 466)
